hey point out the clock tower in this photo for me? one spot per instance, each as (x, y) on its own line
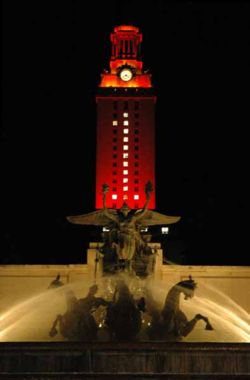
(125, 99)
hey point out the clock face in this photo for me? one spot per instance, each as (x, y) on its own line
(126, 75)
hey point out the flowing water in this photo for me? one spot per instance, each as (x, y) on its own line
(32, 319)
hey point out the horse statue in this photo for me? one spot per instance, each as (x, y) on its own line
(78, 323)
(69, 321)
(123, 317)
(171, 324)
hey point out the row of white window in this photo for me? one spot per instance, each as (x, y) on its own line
(114, 196)
(115, 123)
(125, 156)
(125, 147)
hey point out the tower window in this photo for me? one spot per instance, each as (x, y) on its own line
(114, 164)
(114, 155)
(114, 115)
(125, 163)
(115, 131)
(136, 123)
(115, 139)
(136, 189)
(125, 131)
(125, 147)
(114, 147)
(136, 140)
(114, 189)
(136, 131)
(114, 172)
(136, 164)
(125, 139)
(136, 156)
(136, 181)
(125, 180)
(136, 197)
(136, 115)
(114, 181)
(125, 122)
(125, 155)
(136, 172)
(125, 197)
(125, 188)
(114, 196)
(125, 114)
(125, 172)
(115, 122)
(136, 147)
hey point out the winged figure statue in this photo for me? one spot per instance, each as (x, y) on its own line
(125, 222)
(104, 216)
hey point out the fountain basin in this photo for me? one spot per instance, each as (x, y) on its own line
(41, 360)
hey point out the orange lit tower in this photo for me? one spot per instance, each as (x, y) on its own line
(125, 124)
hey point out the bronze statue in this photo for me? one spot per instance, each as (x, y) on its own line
(127, 222)
(143, 262)
(125, 225)
(78, 323)
(69, 321)
(56, 283)
(123, 316)
(171, 323)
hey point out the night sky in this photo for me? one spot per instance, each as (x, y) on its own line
(53, 53)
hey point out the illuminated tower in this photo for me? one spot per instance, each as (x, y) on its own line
(125, 124)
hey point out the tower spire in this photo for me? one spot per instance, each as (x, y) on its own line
(126, 41)
(126, 54)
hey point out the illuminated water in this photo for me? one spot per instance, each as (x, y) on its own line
(31, 319)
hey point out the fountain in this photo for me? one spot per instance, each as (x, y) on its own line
(36, 319)
(125, 324)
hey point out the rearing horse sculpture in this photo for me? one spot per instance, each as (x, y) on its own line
(78, 323)
(171, 323)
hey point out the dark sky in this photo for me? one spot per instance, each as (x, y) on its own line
(52, 55)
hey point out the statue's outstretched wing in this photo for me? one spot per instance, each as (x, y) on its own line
(153, 218)
(96, 218)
